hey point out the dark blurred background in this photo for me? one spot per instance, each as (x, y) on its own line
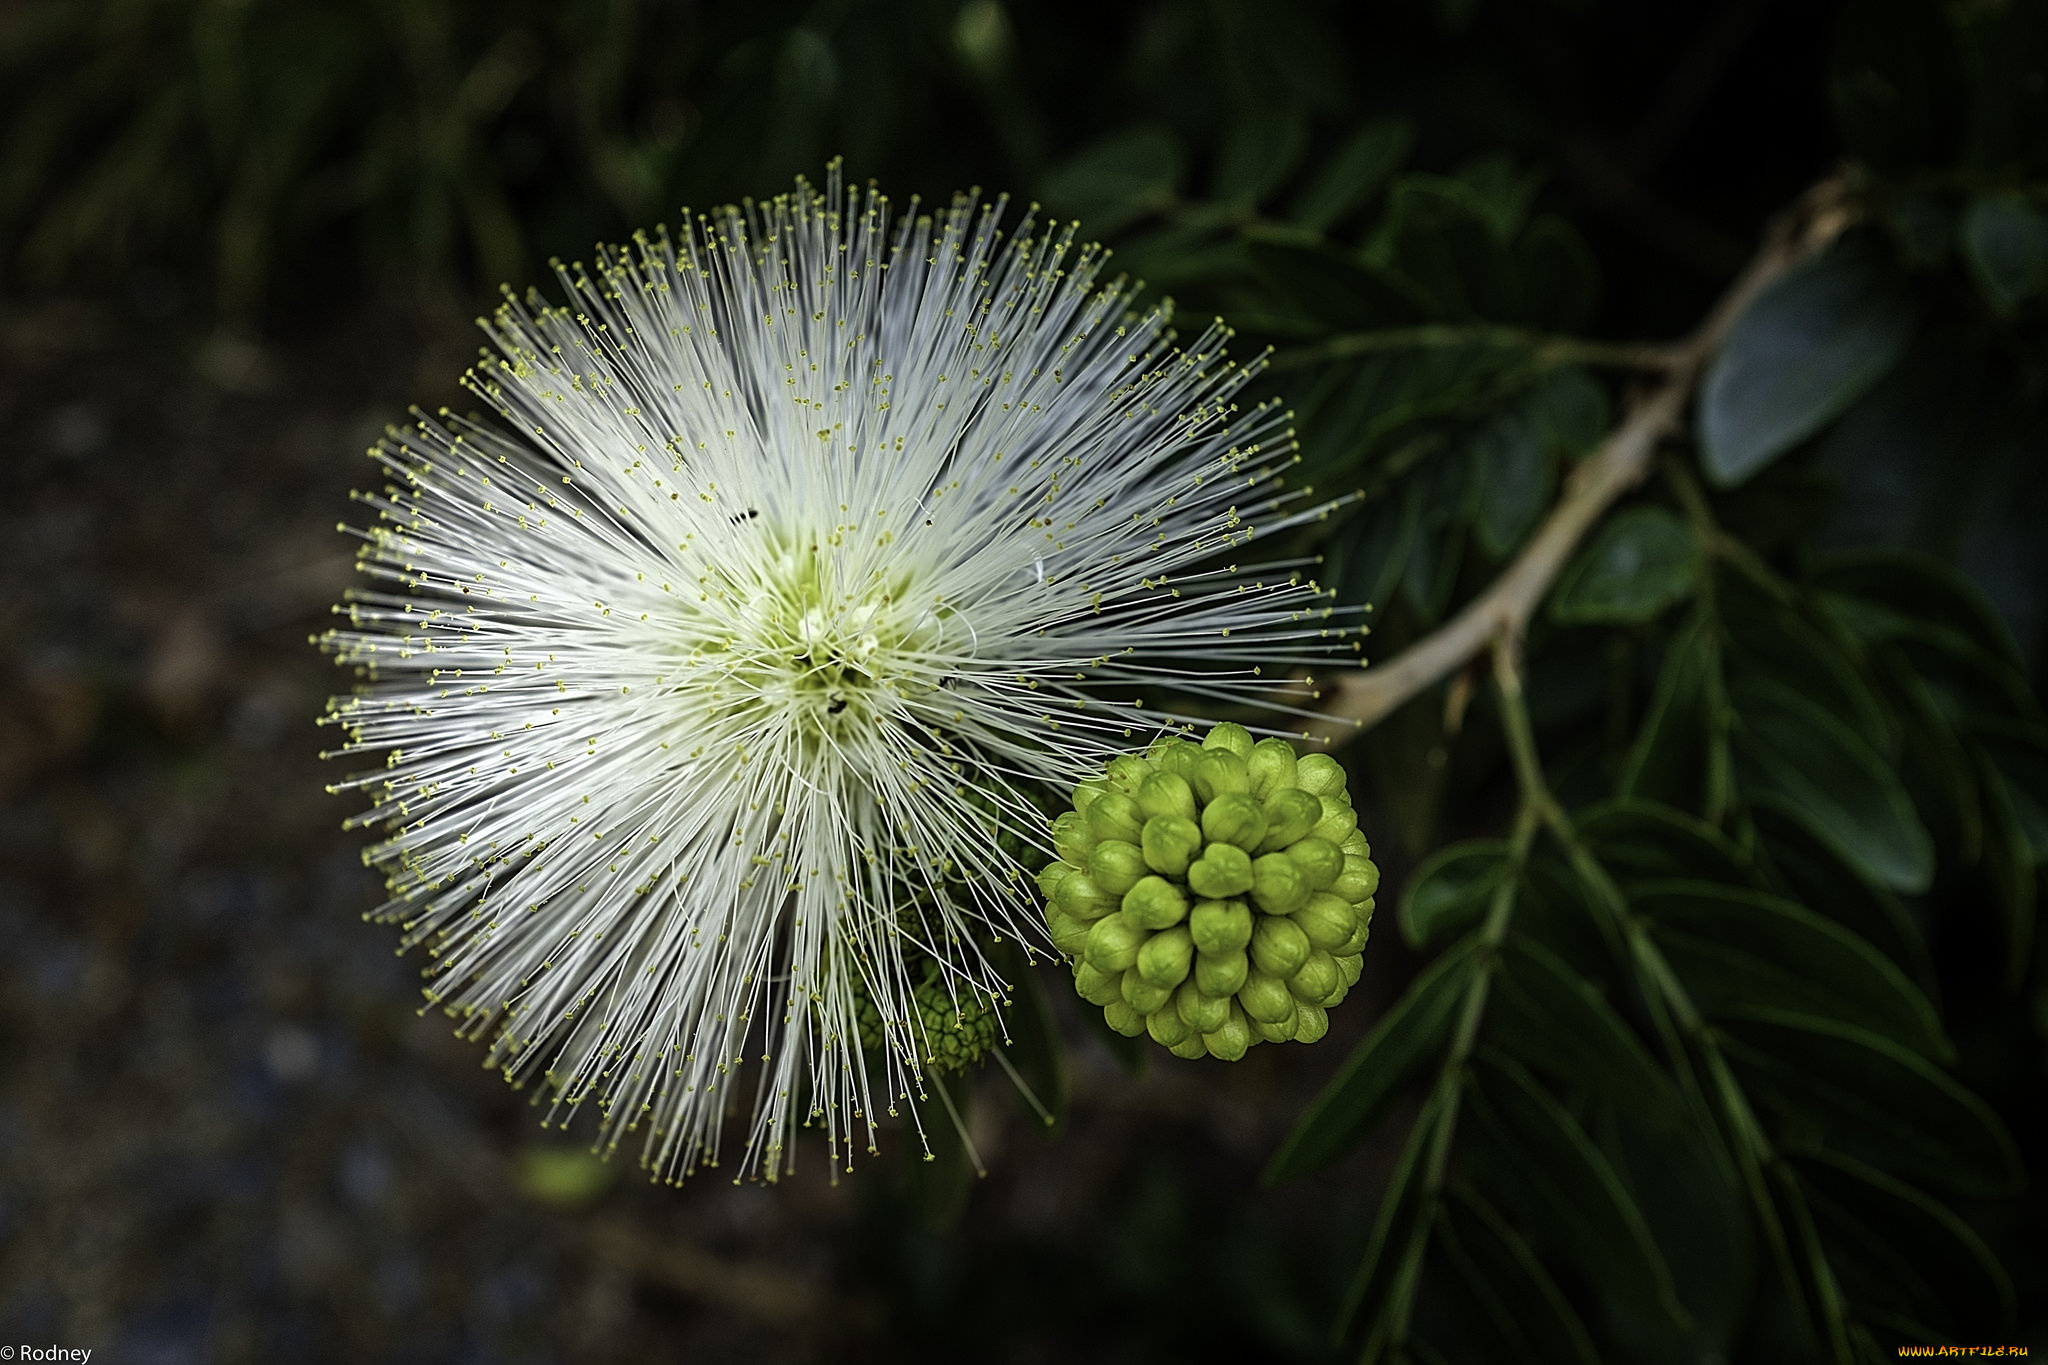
(239, 237)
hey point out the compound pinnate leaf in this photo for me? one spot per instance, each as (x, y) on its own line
(1873, 1098)
(1117, 179)
(1553, 1019)
(1521, 1308)
(1449, 892)
(1734, 947)
(1529, 1152)
(1357, 169)
(1797, 756)
(1643, 561)
(1406, 1038)
(1639, 839)
(1812, 343)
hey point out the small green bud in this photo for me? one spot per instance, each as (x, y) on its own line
(1087, 790)
(1141, 995)
(1155, 903)
(1068, 934)
(1097, 987)
(1279, 1030)
(1080, 898)
(1290, 815)
(1329, 921)
(1320, 775)
(1115, 816)
(1218, 772)
(1338, 820)
(1170, 843)
(1166, 957)
(1230, 737)
(1050, 876)
(1279, 946)
(1319, 861)
(1116, 866)
(1359, 879)
(1221, 974)
(1113, 943)
(1223, 871)
(1311, 1022)
(1173, 755)
(1230, 1042)
(1202, 1013)
(1277, 884)
(1234, 818)
(1071, 838)
(1265, 997)
(1166, 1027)
(1354, 845)
(1222, 926)
(1124, 1019)
(1315, 979)
(1167, 794)
(1272, 766)
(1359, 937)
(1126, 771)
(1191, 1047)
(1349, 966)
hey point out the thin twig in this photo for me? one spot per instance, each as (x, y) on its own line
(1362, 698)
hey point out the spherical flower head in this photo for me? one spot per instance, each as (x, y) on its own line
(1214, 896)
(706, 693)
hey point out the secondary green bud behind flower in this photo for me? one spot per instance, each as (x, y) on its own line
(1243, 916)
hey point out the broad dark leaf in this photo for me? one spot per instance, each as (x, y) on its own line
(1521, 1309)
(1331, 288)
(1532, 1155)
(1769, 638)
(1260, 150)
(1438, 233)
(1735, 948)
(1797, 756)
(1874, 1099)
(1558, 279)
(2018, 750)
(1692, 1201)
(1807, 347)
(1449, 892)
(1514, 475)
(1354, 172)
(1803, 869)
(1638, 840)
(1399, 1233)
(1406, 1039)
(1570, 411)
(1905, 1251)
(1118, 178)
(2005, 241)
(2009, 866)
(1548, 1016)
(1643, 562)
(1903, 592)
(1670, 759)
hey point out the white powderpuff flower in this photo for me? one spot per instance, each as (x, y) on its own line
(702, 689)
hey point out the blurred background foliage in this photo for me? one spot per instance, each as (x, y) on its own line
(1711, 1005)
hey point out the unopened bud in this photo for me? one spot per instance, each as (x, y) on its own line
(1265, 997)
(1166, 1027)
(1319, 861)
(1230, 737)
(1359, 879)
(1320, 775)
(1068, 934)
(1082, 899)
(1222, 926)
(1271, 765)
(1315, 979)
(1170, 843)
(1095, 986)
(1141, 995)
(1328, 920)
(1220, 773)
(1202, 1013)
(1311, 1022)
(1166, 957)
(1278, 887)
(1123, 1018)
(1071, 838)
(1126, 771)
(1230, 1042)
(1155, 903)
(1116, 866)
(1221, 973)
(1278, 946)
(1115, 816)
(1167, 794)
(1290, 815)
(1113, 944)
(1223, 871)
(1234, 818)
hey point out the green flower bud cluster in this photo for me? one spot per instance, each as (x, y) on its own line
(953, 1036)
(1215, 896)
